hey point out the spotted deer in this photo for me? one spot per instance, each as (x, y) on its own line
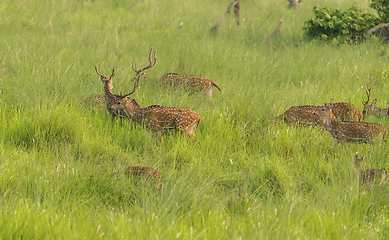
(97, 101)
(191, 83)
(372, 109)
(157, 117)
(147, 173)
(109, 97)
(370, 176)
(304, 115)
(344, 132)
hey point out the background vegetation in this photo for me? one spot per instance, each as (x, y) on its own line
(244, 178)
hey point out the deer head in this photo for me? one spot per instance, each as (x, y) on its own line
(358, 161)
(372, 109)
(107, 81)
(129, 103)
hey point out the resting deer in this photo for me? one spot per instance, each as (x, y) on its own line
(156, 117)
(108, 96)
(191, 82)
(304, 115)
(148, 173)
(350, 131)
(369, 176)
(97, 101)
(371, 109)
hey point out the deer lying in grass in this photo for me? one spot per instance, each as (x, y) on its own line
(350, 131)
(96, 101)
(147, 173)
(191, 83)
(371, 109)
(156, 117)
(304, 115)
(370, 176)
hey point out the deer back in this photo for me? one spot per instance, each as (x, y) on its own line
(303, 115)
(370, 176)
(358, 131)
(346, 112)
(192, 82)
(350, 131)
(158, 117)
(97, 101)
(144, 172)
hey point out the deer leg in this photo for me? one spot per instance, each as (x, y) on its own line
(336, 142)
(208, 91)
(159, 135)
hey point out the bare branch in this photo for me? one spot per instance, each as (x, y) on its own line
(224, 15)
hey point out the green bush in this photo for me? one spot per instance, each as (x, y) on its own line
(332, 24)
(382, 7)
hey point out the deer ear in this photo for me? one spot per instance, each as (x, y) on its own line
(374, 102)
(329, 105)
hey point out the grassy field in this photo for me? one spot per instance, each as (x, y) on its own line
(244, 178)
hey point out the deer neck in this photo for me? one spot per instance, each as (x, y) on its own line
(329, 121)
(357, 165)
(134, 111)
(108, 89)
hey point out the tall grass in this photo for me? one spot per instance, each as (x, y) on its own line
(245, 176)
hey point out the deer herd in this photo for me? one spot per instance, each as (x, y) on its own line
(342, 120)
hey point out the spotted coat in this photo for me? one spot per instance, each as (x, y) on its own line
(370, 176)
(148, 173)
(350, 131)
(304, 115)
(372, 109)
(97, 101)
(191, 82)
(160, 118)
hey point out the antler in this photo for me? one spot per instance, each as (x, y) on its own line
(152, 60)
(368, 95)
(102, 75)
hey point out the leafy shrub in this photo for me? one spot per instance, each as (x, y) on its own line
(382, 7)
(338, 25)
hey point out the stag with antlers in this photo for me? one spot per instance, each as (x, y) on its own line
(109, 97)
(156, 117)
(372, 109)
